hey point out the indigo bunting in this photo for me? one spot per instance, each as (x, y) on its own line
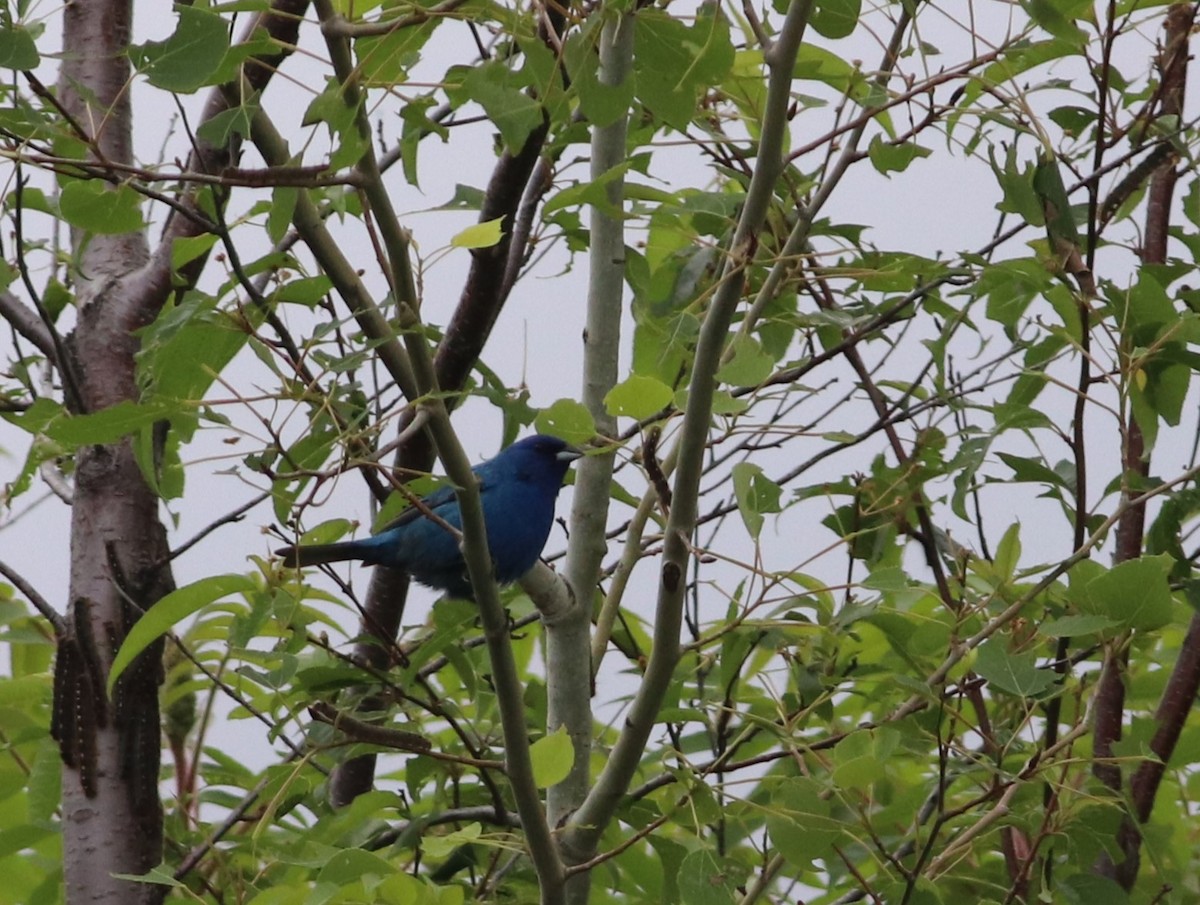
(518, 489)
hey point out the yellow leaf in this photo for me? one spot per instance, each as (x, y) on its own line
(481, 235)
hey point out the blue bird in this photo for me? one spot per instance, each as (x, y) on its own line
(518, 489)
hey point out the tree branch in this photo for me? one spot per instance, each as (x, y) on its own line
(587, 824)
(569, 688)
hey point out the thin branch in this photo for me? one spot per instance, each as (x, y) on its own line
(593, 816)
(26, 322)
(39, 602)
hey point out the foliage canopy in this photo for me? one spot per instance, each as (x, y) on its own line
(883, 567)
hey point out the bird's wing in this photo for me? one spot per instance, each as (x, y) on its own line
(440, 498)
(435, 500)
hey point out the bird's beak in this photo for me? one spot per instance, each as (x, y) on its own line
(570, 454)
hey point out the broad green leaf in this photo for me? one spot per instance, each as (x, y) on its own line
(1011, 286)
(638, 397)
(95, 207)
(495, 88)
(602, 104)
(169, 612)
(186, 60)
(756, 494)
(858, 764)
(283, 207)
(1165, 534)
(1020, 58)
(219, 129)
(480, 235)
(307, 291)
(1016, 182)
(352, 864)
(799, 822)
(1091, 889)
(1008, 552)
(465, 198)
(1033, 470)
(894, 158)
(108, 425)
(185, 249)
(1016, 673)
(674, 63)
(384, 60)
(818, 64)
(1134, 593)
(1057, 17)
(552, 757)
(568, 419)
(594, 192)
(441, 846)
(187, 347)
(17, 49)
(836, 18)
(705, 880)
(749, 366)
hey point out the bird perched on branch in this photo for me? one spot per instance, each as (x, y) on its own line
(518, 489)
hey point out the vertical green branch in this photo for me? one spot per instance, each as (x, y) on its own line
(568, 648)
(601, 804)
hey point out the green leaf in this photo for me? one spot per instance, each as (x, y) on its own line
(602, 104)
(552, 757)
(568, 419)
(465, 198)
(1165, 534)
(186, 60)
(384, 60)
(1032, 470)
(188, 346)
(1134, 593)
(675, 63)
(1090, 889)
(756, 494)
(1072, 120)
(638, 397)
(17, 49)
(749, 366)
(703, 880)
(894, 158)
(799, 822)
(107, 425)
(480, 235)
(441, 846)
(219, 129)
(509, 108)
(1057, 17)
(1016, 183)
(185, 249)
(283, 207)
(836, 18)
(350, 864)
(856, 765)
(1015, 673)
(1011, 286)
(818, 64)
(1008, 552)
(169, 612)
(95, 207)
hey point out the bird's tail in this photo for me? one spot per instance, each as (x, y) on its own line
(297, 556)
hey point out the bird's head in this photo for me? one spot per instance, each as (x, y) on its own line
(541, 457)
